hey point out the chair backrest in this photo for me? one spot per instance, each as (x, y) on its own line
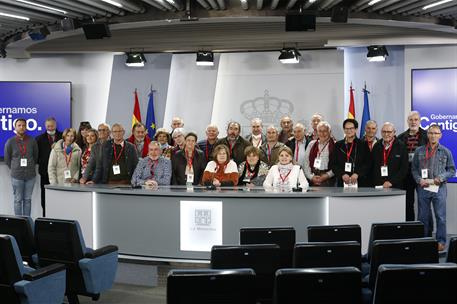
(422, 283)
(340, 285)
(58, 241)
(452, 250)
(209, 286)
(392, 231)
(10, 268)
(263, 259)
(407, 251)
(327, 254)
(335, 233)
(21, 227)
(284, 237)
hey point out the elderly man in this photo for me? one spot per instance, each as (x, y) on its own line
(286, 129)
(96, 156)
(153, 170)
(119, 159)
(234, 142)
(207, 145)
(176, 123)
(256, 138)
(390, 160)
(413, 138)
(432, 166)
(45, 142)
(298, 144)
(140, 139)
(315, 120)
(270, 149)
(317, 157)
(371, 128)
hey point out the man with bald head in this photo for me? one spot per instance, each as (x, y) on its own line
(413, 138)
(390, 160)
(256, 138)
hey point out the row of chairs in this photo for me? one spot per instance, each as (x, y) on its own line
(406, 284)
(52, 244)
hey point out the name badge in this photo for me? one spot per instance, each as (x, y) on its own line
(23, 162)
(190, 178)
(116, 169)
(384, 171)
(410, 157)
(67, 174)
(348, 167)
(424, 173)
(318, 163)
(246, 180)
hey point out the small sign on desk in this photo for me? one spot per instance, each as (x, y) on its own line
(200, 225)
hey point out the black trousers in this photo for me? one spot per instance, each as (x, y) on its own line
(410, 186)
(44, 180)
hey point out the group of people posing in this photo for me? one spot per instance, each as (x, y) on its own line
(279, 159)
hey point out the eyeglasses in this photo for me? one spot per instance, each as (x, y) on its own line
(434, 133)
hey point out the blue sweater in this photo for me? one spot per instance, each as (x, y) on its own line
(162, 172)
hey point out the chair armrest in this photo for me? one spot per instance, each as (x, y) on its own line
(101, 251)
(43, 272)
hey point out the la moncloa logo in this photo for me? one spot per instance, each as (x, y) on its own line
(269, 109)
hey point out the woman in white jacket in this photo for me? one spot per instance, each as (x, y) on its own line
(65, 159)
(285, 175)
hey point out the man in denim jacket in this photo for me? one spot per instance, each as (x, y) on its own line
(432, 166)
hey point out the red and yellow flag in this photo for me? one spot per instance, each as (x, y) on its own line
(351, 111)
(136, 117)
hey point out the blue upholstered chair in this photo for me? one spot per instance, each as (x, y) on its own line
(25, 285)
(89, 272)
(21, 227)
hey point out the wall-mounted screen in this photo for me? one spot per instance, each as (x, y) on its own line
(434, 95)
(33, 101)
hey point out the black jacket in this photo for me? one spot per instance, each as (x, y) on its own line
(360, 158)
(397, 163)
(179, 163)
(238, 150)
(44, 150)
(131, 158)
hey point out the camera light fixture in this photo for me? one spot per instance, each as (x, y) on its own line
(377, 53)
(205, 58)
(289, 56)
(135, 60)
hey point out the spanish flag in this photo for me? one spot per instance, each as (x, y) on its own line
(136, 117)
(351, 112)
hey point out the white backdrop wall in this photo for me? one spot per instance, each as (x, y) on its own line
(90, 75)
(124, 81)
(385, 82)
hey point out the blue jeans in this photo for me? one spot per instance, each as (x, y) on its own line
(425, 199)
(22, 190)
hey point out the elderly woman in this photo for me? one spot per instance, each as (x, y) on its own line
(163, 137)
(285, 175)
(65, 159)
(319, 152)
(221, 171)
(91, 139)
(153, 170)
(252, 171)
(189, 163)
(179, 140)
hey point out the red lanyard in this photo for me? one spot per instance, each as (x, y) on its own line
(269, 152)
(189, 160)
(207, 150)
(22, 147)
(67, 157)
(153, 165)
(411, 145)
(87, 153)
(387, 153)
(231, 148)
(297, 148)
(320, 151)
(51, 140)
(427, 155)
(117, 157)
(370, 144)
(348, 153)
(249, 173)
(282, 177)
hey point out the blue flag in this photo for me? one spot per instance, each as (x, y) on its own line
(366, 112)
(150, 117)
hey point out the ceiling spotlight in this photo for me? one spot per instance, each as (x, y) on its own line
(377, 53)
(289, 56)
(136, 60)
(205, 58)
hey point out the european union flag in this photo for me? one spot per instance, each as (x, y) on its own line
(150, 117)
(366, 112)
